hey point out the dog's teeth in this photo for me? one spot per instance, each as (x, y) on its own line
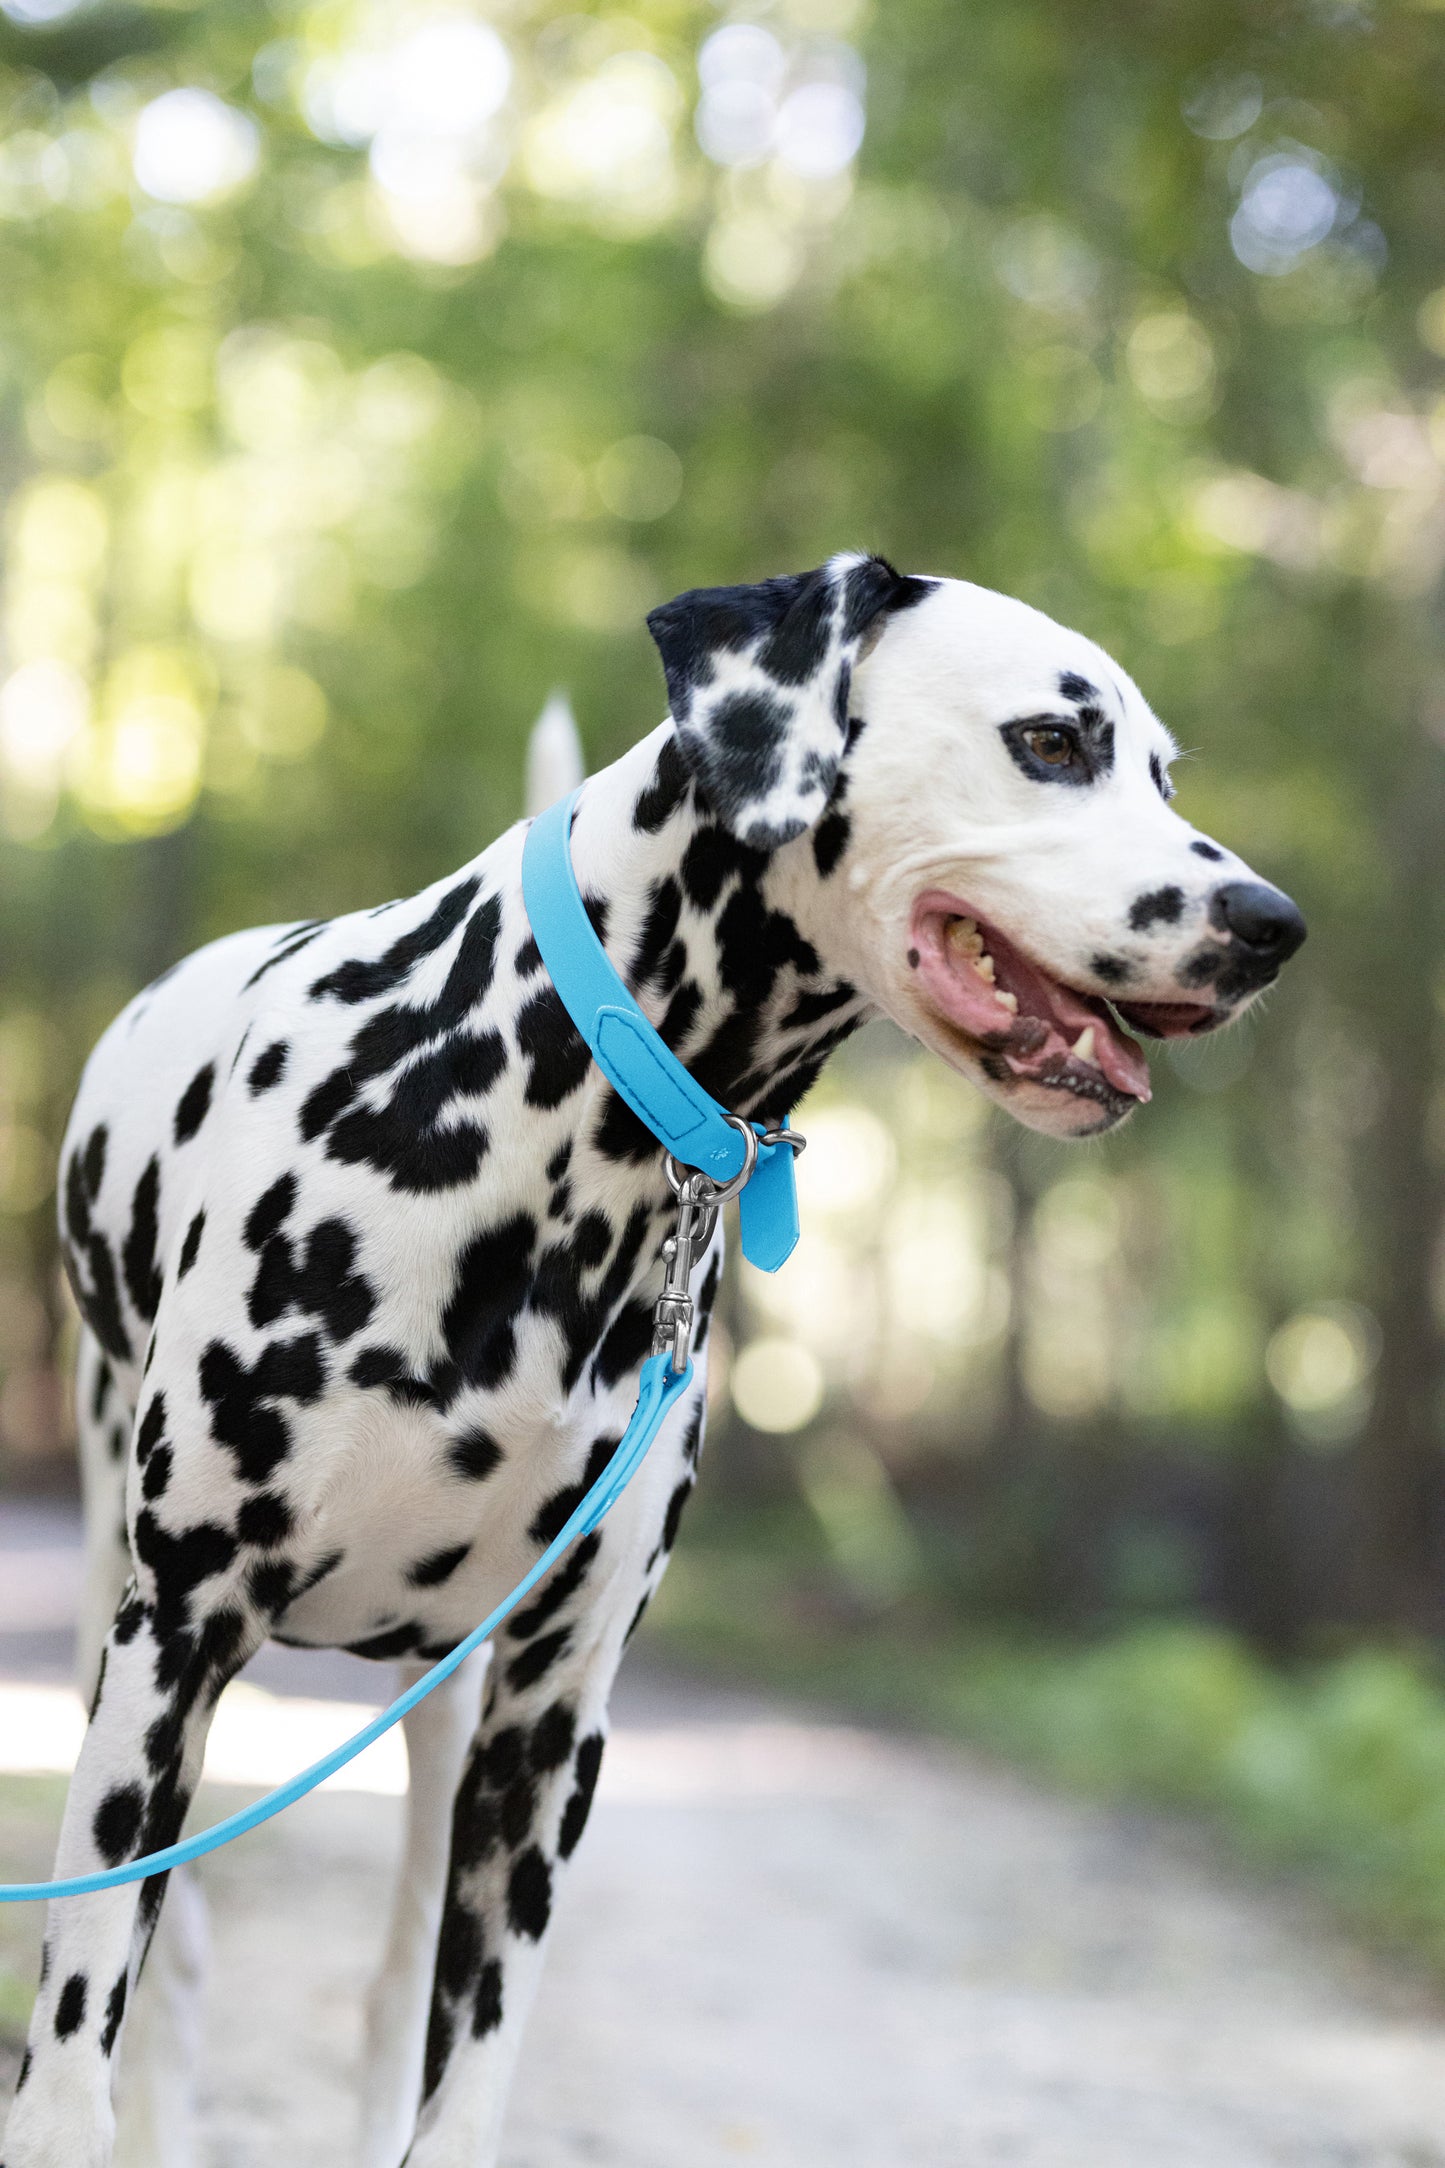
(983, 965)
(1083, 1048)
(965, 937)
(1006, 1001)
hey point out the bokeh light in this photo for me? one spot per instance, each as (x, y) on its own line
(191, 147)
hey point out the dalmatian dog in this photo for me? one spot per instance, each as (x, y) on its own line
(366, 1250)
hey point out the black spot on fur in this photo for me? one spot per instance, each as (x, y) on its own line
(264, 1520)
(555, 1051)
(383, 1648)
(561, 1159)
(114, 2012)
(1076, 688)
(459, 1950)
(271, 1586)
(117, 1822)
(1161, 907)
(405, 1139)
(242, 1416)
(591, 1239)
(710, 858)
(658, 931)
(517, 1811)
(579, 1806)
(488, 1292)
(438, 2047)
(528, 958)
(142, 1275)
(705, 1300)
(535, 1661)
(487, 2007)
(1113, 970)
(665, 793)
(158, 1474)
(291, 943)
(811, 1008)
(529, 1895)
(474, 1455)
(561, 1583)
(552, 1737)
(150, 1428)
(1159, 778)
(194, 1103)
(87, 1255)
(190, 1248)
(1210, 851)
(626, 1343)
(682, 1014)
(268, 1068)
(551, 1518)
(271, 1210)
(322, 1284)
(388, 1367)
(325, 1101)
(93, 1163)
(830, 840)
(364, 981)
(402, 1138)
(439, 1566)
(70, 2009)
(675, 1507)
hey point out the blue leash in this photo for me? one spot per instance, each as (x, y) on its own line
(734, 1158)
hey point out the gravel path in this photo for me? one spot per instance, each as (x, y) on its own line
(786, 1944)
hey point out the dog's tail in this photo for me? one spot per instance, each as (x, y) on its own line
(554, 755)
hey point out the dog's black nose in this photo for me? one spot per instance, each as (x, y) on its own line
(1260, 918)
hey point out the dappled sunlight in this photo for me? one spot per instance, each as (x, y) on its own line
(369, 371)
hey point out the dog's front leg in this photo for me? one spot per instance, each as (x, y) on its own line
(438, 1733)
(520, 1808)
(138, 1767)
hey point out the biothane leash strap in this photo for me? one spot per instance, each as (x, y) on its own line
(696, 1130)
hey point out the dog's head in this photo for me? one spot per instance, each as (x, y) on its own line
(993, 857)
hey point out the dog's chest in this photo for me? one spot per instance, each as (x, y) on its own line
(425, 1523)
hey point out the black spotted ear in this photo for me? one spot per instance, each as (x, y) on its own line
(758, 679)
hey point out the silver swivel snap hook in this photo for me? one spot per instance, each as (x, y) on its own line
(699, 1199)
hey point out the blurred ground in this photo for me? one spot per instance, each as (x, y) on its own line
(790, 1942)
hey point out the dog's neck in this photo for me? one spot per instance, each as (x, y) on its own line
(723, 946)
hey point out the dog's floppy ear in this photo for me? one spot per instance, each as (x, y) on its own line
(758, 680)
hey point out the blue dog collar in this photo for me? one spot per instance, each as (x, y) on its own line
(641, 1068)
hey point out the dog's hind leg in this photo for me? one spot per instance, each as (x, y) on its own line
(155, 2088)
(438, 1734)
(165, 1662)
(103, 1419)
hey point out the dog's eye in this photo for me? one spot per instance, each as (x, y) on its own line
(1055, 748)
(1049, 751)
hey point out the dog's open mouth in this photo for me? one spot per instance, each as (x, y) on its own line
(1030, 1024)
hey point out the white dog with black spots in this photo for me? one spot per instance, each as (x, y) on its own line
(366, 1250)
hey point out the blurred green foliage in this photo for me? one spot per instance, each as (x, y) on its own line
(1337, 1767)
(368, 367)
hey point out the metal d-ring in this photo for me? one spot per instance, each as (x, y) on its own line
(719, 1192)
